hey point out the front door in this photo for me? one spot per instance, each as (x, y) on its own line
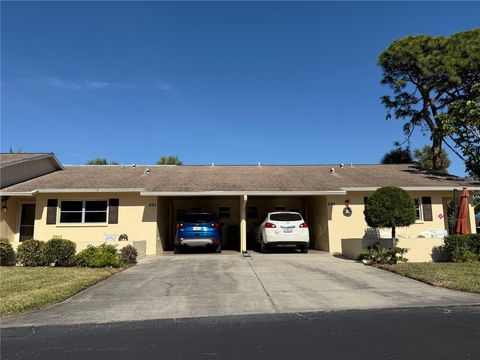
(27, 220)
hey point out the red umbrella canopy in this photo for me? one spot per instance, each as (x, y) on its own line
(462, 214)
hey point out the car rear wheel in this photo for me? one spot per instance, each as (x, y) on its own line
(263, 247)
(304, 249)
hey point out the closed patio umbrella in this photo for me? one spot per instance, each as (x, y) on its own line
(462, 214)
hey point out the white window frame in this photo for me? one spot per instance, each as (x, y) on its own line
(59, 212)
(420, 209)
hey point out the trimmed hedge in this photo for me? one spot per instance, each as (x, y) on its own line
(32, 253)
(463, 248)
(60, 252)
(100, 256)
(7, 254)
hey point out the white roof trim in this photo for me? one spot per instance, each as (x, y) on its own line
(418, 188)
(239, 193)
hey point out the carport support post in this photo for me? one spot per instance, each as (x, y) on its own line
(243, 223)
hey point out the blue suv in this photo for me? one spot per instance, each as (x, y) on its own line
(198, 229)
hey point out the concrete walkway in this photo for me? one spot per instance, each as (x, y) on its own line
(195, 285)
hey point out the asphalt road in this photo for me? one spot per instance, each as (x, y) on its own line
(415, 333)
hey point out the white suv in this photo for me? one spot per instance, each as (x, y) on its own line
(283, 229)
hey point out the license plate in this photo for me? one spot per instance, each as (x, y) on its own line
(287, 230)
(197, 228)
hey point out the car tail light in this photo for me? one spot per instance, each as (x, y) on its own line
(304, 225)
(270, 225)
(179, 225)
(216, 225)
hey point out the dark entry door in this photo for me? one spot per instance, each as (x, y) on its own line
(27, 220)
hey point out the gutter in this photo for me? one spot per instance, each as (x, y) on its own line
(417, 188)
(240, 193)
(19, 193)
(90, 190)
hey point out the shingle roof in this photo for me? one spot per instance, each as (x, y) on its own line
(9, 159)
(238, 178)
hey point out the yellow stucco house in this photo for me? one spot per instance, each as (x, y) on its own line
(139, 205)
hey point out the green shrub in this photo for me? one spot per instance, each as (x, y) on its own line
(463, 255)
(32, 253)
(86, 256)
(129, 254)
(463, 248)
(377, 254)
(60, 252)
(100, 256)
(7, 254)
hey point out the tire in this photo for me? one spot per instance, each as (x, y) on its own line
(304, 249)
(263, 247)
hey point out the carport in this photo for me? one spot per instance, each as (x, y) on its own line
(239, 214)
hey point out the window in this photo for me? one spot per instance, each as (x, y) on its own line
(83, 211)
(418, 209)
(203, 218)
(224, 212)
(285, 217)
(252, 212)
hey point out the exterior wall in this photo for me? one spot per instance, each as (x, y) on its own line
(318, 223)
(164, 223)
(9, 220)
(471, 220)
(419, 249)
(25, 170)
(137, 217)
(346, 234)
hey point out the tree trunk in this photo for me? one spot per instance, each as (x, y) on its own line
(394, 240)
(437, 151)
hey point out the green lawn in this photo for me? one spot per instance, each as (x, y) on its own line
(23, 288)
(457, 276)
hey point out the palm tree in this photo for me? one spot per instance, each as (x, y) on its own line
(101, 161)
(169, 160)
(424, 158)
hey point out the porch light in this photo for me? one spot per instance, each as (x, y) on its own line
(4, 204)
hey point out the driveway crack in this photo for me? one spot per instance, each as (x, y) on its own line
(269, 297)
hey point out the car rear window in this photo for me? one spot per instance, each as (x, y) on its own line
(199, 218)
(285, 217)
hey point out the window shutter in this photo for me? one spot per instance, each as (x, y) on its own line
(427, 208)
(113, 211)
(52, 211)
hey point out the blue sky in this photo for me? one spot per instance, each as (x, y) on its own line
(223, 82)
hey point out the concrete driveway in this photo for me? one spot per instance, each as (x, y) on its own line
(194, 285)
